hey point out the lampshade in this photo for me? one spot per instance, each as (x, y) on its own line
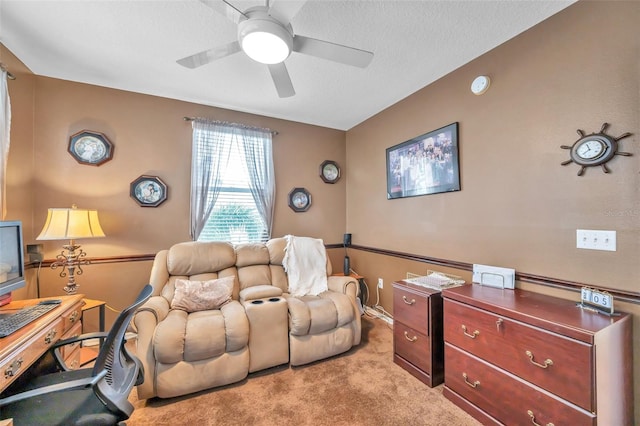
(71, 224)
(264, 40)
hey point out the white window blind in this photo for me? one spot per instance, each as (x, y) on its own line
(235, 217)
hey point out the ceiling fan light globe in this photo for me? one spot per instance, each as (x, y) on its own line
(265, 41)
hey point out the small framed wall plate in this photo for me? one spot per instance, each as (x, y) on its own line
(329, 171)
(299, 200)
(149, 191)
(596, 300)
(90, 148)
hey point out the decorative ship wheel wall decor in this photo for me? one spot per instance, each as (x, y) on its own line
(595, 149)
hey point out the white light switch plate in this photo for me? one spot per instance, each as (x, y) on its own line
(596, 240)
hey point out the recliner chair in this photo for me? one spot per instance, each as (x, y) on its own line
(262, 326)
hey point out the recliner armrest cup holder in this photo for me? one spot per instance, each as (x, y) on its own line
(268, 332)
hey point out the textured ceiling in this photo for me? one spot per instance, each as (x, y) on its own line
(133, 45)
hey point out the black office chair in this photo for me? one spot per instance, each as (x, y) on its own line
(90, 396)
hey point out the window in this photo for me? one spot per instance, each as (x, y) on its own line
(232, 189)
(235, 217)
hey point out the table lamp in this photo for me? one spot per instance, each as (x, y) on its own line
(71, 224)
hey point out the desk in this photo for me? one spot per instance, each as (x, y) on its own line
(91, 304)
(88, 355)
(21, 349)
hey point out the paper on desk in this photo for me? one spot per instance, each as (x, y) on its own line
(494, 276)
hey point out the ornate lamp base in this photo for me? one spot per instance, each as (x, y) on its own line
(72, 260)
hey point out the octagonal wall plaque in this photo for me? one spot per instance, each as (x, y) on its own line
(90, 148)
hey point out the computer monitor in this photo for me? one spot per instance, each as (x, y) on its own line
(11, 257)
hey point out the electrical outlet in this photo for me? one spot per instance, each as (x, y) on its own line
(34, 252)
(596, 240)
(380, 283)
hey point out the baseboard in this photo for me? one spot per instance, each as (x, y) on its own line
(377, 314)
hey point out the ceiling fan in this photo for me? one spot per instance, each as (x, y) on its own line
(266, 36)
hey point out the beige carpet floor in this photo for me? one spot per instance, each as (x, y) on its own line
(361, 387)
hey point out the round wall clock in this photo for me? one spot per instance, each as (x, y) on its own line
(595, 149)
(329, 171)
(90, 148)
(299, 200)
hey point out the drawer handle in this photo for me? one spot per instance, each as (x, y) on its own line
(533, 419)
(13, 368)
(547, 362)
(407, 301)
(473, 336)
(50, 336)
(74, 316)
(498, 324)
(74, 344)
(411, 339)
(466, 380)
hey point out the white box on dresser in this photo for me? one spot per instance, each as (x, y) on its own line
(518, 357)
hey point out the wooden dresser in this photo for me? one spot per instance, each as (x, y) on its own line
(417, 331)
(21, 349)
(518, 357)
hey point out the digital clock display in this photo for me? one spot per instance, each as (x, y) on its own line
(600, 300)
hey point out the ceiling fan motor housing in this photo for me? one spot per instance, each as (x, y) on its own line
(265, 39)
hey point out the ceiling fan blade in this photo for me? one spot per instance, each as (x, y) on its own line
(203, 58)
(285, 10)
(331, 51)
(281, 79)
(225, 9)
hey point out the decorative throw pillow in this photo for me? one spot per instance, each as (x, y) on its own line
(192, 296)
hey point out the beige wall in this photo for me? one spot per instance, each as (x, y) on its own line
(150, 137)
(20, 167)
(518, 206)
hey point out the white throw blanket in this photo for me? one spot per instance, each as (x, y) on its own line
(305, 262)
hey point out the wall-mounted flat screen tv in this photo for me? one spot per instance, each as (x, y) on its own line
(426, 164)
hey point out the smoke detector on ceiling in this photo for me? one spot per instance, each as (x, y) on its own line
(480, 84)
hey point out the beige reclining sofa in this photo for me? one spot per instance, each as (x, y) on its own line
(262, 326)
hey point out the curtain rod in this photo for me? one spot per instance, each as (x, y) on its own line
(273, 132)
(3, 67)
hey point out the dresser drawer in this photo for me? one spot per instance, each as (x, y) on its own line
(412, 345)
(506, 397)
(73, 358)
(75, 331)
(418, 346)
(72, 317)
(556, 363)
(411, 309)
(19, 361)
